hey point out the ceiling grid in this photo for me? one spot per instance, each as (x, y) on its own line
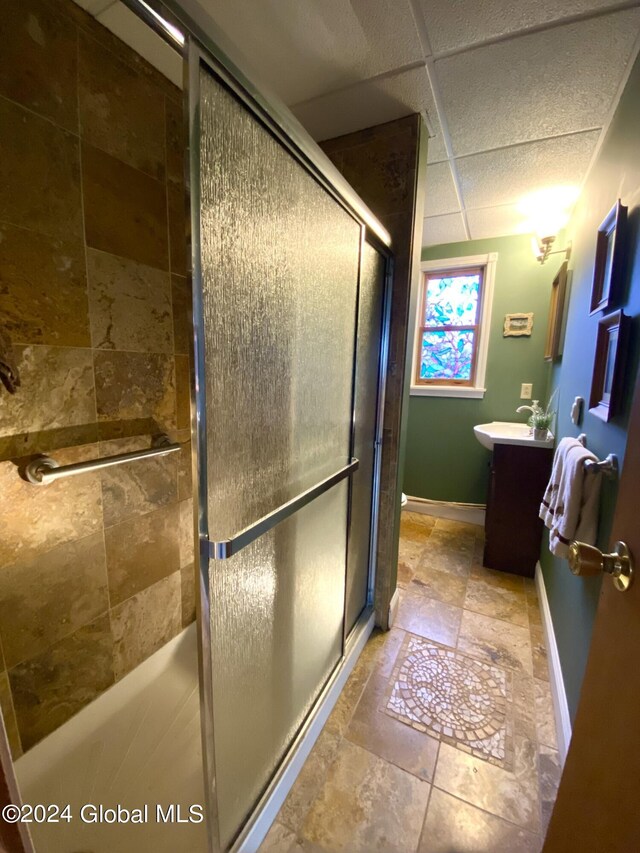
(517, 93)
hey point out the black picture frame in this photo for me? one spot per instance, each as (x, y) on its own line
(608, 366)
(608, 269)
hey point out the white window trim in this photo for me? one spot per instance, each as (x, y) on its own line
(476, 391)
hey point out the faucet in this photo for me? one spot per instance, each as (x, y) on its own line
(535, 409)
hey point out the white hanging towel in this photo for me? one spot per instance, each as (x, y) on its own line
(571, 500)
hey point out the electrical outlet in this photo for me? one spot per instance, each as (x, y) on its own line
(526, 391)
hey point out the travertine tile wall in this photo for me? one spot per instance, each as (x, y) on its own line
(386, 165)
(96, 572)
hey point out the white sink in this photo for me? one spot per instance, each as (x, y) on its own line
(503, 432)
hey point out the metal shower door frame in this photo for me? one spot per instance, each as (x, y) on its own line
(209, 551)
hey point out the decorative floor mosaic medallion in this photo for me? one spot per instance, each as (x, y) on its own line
(453, 697)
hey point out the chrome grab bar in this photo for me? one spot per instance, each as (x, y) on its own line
(226, 548)
(44, 469)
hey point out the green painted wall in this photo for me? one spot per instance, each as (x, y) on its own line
(616, 174)
(444, 461)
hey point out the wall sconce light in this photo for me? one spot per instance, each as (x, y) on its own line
(547, 212)
(542, 248)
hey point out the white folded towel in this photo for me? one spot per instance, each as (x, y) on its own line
(570, 504)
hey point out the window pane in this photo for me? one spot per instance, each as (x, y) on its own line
(452, 301)
(447, 355)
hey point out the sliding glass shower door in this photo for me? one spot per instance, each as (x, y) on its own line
(276, 272)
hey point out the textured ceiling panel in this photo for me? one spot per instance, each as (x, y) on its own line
(302, 48)
(373, 103)
(452, 26)
(441, 192)
(494, 221)
(536, 86)
(504, 177)
(443, 229)
(141, 38)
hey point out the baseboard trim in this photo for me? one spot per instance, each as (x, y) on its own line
(267, 809)
(558, 693)
(443, 509)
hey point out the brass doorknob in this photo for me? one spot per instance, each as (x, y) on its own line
(586, 560)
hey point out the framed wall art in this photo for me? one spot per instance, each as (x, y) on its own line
(517, 325)
(608, 366)
(610, 257)
(553, 345)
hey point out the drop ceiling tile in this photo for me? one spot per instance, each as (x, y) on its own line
(374, 102)
(536, 86)
(506, 175)
(443, 229)
(452, 26)
(499, 221)
(302, 49)
(441, 194)
(133, 31)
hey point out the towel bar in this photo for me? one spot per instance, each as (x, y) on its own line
(609, 466)
(44, 469)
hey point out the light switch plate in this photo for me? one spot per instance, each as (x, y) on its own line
(526, 391)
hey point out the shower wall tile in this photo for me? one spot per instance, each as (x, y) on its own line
(186, 541)
(183, 404)
(51, 160)
(175, 141)
(125, 210)
(94, 569)
(141, 551)
(140, 487)
(9, 717)
(53, 686)
(38, 60)
(129, 304)
(50, 595)
(188, 594)
(182, 326)
(135, 385)
(57, 390)
(176, 204)
(185, 485)
(144, 623)
(43, 288)
(77, 17)
(34, 519)
(120, 111)
(383, 167)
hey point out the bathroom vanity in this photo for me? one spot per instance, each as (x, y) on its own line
(519, 473)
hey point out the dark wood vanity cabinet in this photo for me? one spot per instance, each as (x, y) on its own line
(513, 530)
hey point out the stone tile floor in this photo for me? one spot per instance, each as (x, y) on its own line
(443, 739)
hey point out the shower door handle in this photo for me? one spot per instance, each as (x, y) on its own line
(226, 548)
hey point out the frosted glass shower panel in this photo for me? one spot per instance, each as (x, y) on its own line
(280, 266)
(279, 259)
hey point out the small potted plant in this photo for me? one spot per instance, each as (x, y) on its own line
(541, 419)
(540, 423)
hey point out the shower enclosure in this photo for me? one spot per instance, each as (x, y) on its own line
(290, 291)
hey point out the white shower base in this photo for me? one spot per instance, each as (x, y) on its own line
(138, 744)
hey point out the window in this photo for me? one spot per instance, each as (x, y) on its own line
(453, 315)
